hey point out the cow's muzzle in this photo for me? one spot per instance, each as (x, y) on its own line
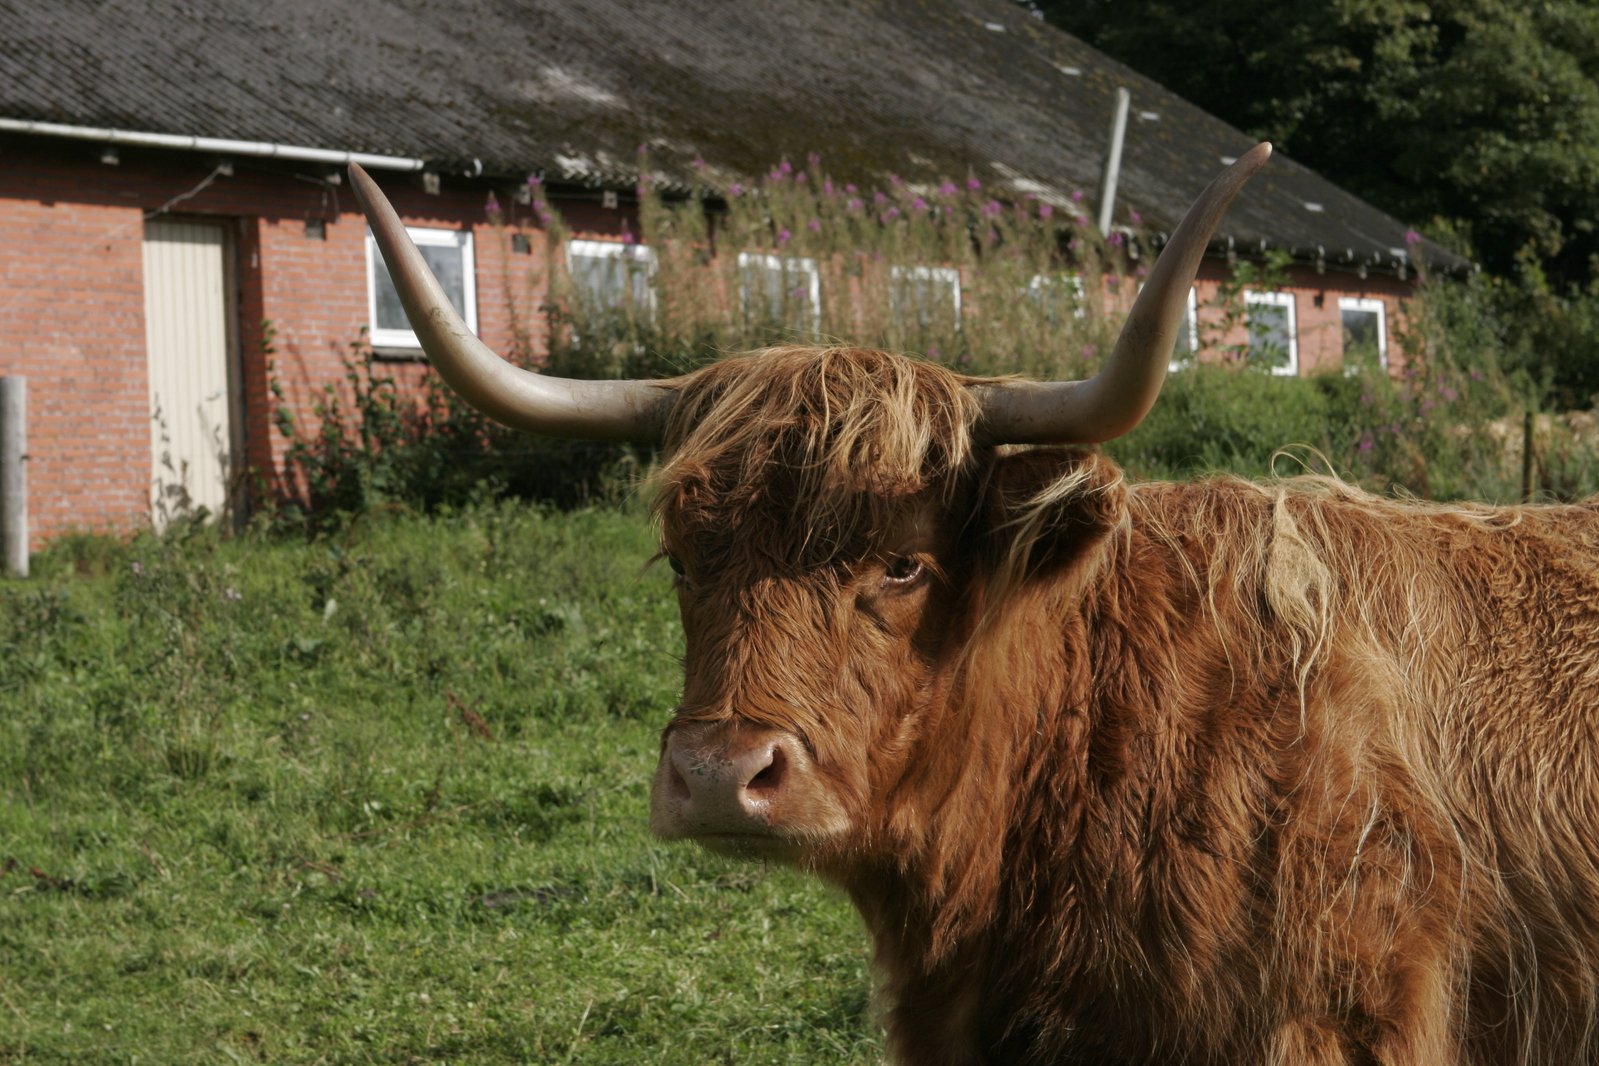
(741, 789)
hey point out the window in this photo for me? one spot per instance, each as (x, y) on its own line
(1270, 319)
(1060, 296)
(1365, 331)
(448, 253)
(928, 297)
(611, 276)
(1186, 347)
(785, 291)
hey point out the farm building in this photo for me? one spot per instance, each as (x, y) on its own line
(179, 241)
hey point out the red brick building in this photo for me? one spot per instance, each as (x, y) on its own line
(175, 235)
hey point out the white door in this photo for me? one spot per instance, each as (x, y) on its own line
(188, 315)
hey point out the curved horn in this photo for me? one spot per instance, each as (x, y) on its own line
(1120, 395)
(557, 407)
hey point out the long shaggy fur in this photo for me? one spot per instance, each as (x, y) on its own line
(1221, 772)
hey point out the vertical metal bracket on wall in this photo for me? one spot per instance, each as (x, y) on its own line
(14, 475)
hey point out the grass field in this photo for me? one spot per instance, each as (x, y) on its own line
(379, 797)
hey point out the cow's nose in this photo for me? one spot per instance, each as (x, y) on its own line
(732, 784)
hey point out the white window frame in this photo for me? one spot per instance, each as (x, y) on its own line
(1190, 325)
(423, 236)
(578, 248)
(786, 267)
(1276, 299)
(1361, 303)
(1038, 288)
(950, 276)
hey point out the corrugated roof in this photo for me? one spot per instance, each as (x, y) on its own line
(926, 89)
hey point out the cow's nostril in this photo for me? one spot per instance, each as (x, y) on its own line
(770, 777)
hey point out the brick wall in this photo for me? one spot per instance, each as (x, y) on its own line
(72, 312)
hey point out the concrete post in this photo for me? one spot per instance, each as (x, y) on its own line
(14, 475)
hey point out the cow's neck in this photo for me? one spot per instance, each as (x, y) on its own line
(1054, 797)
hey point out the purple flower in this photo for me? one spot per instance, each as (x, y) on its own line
(1448, 394)
(1116, 240)
(891, 214)
(933, 353)
(1476, 375)
(973, 184)
(851, 189)
(993, 208)
(1045, 210)
(784, 235)
(776, 175)
(814, 225)
(814, 159)
(895, 180)
(785, 167)
(827, 187)
(627, 235)
(918, 204)
(1077, 196)
(735, 190)
(879, 198)
(853, 205)
(698, 162)
(1089, 351)
(1134, 218)
(534, 181)
(800, 177)
(948, 189)
(643, 149)
(1074, 245)
(1412, 238)
(1367, 442)
(492, 205)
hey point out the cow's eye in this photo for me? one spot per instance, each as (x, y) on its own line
(903, 571)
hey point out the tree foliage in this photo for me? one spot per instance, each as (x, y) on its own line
(1476, 119)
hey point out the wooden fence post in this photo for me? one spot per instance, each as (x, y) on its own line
(14, 475)
(1526, 457)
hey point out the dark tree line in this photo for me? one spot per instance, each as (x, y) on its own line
(1475, 120)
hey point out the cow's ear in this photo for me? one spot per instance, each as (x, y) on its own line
(1046, 512)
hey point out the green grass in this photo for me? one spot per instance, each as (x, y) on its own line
(379, 797)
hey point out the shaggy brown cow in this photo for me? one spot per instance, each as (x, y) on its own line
(1204, 773)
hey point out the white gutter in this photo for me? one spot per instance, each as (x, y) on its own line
(219, 145)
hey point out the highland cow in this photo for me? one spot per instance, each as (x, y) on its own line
(1218, 772)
